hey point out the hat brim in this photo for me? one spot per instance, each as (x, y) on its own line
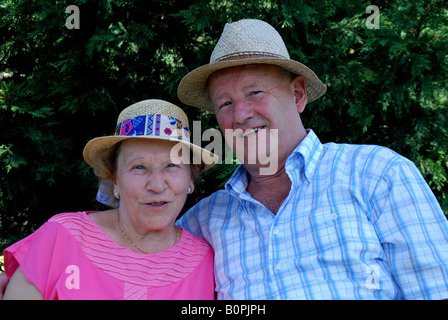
(192, 89)
(95, 147)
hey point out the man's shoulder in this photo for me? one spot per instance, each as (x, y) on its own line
(206, 212)
(373, 161)
(216, 199)
(361, 152)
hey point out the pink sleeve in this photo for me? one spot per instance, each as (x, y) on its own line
(38, 258)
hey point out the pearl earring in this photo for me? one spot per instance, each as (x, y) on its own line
(117, 195)
(189, 190)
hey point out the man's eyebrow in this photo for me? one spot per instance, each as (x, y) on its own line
(219, 97)
(250, 85)
(253, 84)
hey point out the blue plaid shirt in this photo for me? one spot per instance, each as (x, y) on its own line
(360, 222)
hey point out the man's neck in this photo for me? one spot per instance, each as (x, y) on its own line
(271, 190)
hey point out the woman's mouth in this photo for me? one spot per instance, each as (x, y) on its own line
(156, 204)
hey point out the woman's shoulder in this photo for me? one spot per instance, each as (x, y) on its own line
(69, 217)
(80, 224)
(80, 217)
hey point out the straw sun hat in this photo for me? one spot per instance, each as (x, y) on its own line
(245, 42)
(149, 119)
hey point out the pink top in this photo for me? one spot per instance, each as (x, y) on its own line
(71, 257)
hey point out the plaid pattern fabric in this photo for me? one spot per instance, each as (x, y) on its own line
(360, 222)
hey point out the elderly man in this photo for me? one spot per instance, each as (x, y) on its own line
(334, 221)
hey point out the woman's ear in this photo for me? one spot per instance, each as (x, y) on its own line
(115, 188)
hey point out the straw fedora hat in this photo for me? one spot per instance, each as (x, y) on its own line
(244, 42)
(150, 119)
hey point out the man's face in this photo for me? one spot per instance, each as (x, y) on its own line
(255, 101)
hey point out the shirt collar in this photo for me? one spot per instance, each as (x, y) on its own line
(300, 164)
(305, 157)
(238, 182)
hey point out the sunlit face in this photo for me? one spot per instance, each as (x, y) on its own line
(152, 185)
(255, 99)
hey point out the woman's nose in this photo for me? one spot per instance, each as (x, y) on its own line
(156, 182)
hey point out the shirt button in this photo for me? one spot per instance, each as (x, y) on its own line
(334, 216)
(275, 231)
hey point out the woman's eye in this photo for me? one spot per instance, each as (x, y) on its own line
(139, 167)
(254, 93)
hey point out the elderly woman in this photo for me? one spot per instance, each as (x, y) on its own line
(134, 251)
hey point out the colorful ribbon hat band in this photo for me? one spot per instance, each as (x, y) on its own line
(157, 125)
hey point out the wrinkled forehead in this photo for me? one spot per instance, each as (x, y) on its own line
(150, 148)
(154, 150)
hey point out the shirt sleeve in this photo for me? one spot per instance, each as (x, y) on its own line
(38, 256)
(413, 231)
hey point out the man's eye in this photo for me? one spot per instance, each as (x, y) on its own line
(225, 104)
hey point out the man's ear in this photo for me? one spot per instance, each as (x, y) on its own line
(299, 87)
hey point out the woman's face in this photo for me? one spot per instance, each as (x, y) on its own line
(152, 185)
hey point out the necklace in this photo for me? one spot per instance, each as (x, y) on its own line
(125, 235)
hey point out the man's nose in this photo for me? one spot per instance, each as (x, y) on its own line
(243, 110)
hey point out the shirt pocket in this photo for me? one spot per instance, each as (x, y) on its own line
(346, 241)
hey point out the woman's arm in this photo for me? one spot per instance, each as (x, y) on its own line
(20, 289)
(3, 284)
